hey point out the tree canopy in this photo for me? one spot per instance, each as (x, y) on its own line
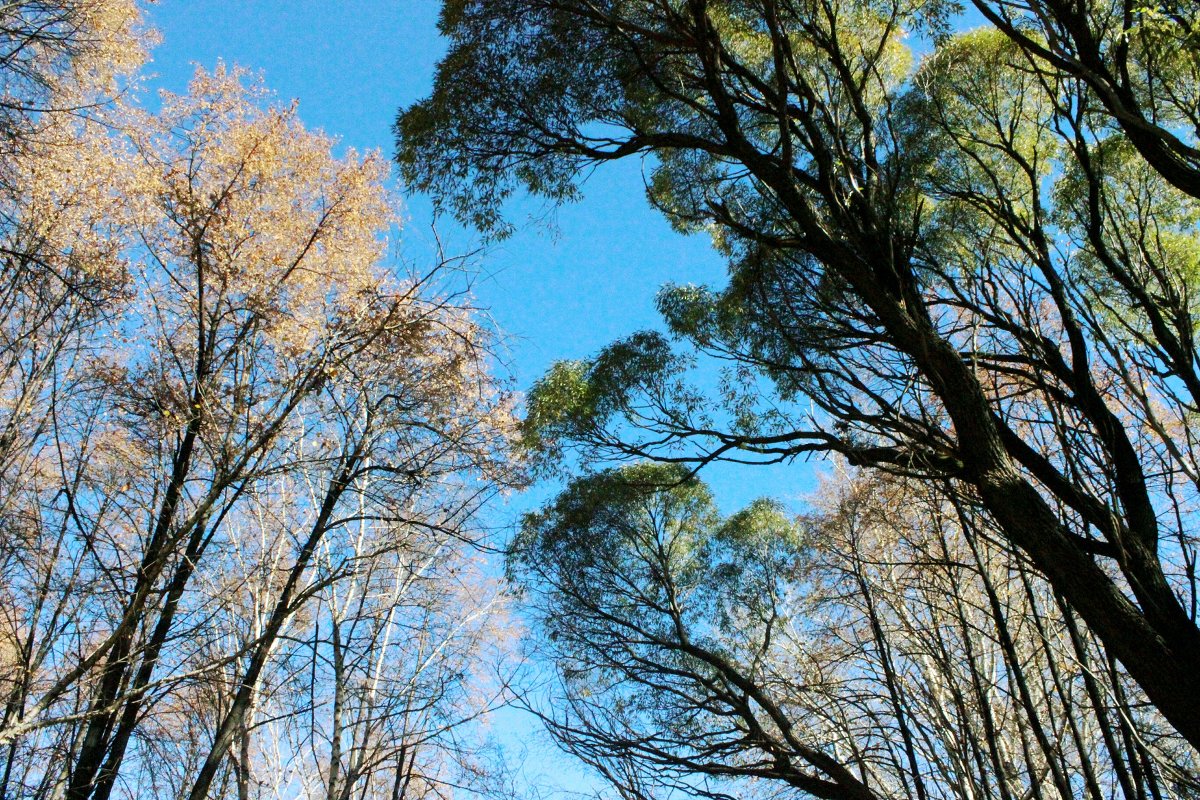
(246, 457)
(885, 645)
(967, 258)
(238, 444)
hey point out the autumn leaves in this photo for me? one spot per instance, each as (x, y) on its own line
(239, 445)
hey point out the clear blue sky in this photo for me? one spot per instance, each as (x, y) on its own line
(561, 293)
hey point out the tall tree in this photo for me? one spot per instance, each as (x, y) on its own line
(977, 268)
(885, 646)
(227, 413)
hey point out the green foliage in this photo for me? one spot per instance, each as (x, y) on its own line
(990, 118)
(638, 551)
(532, 95)
(576, 399)
(978, 270)
(1136, 238)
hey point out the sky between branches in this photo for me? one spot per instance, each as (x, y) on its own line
(563, 286)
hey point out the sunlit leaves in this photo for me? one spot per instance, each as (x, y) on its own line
(234, 437)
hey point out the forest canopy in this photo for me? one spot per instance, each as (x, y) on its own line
(962, 255)
(249, 458)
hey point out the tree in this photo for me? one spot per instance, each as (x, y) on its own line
(230, 418)
(977, 270)
(884, 646)
(1122, 52)
(62, 59)
(61, 64)
(659, 615)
